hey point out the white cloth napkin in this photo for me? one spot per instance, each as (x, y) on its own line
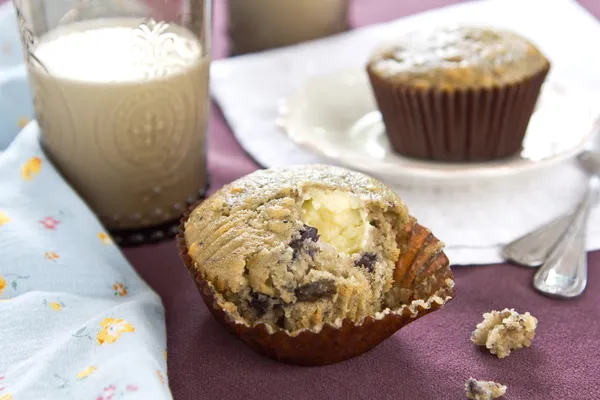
(76, 321)
(474, 223)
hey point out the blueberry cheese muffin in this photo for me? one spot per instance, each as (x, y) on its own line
(309, 250)
(457, 93)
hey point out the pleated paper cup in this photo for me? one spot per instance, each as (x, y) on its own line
(457, 125)
(422, 272)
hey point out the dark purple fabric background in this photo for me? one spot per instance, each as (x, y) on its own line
(429, 359)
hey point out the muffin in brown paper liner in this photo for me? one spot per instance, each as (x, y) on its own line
(435, 114)
(422, 273)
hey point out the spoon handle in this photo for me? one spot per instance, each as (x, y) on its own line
(564, 274)
(533, 248)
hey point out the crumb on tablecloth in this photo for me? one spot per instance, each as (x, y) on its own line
(503, 331)
(483, 390)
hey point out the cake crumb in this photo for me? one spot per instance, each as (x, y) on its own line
(484, 390)
(503, 331)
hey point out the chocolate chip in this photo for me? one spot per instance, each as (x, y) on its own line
(474, 387)
(367, 261)
(281, 322)
(307, 233)
(315, 290)
(261, 303)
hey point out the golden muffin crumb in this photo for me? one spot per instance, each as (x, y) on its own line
(484, 390)
(503, 331)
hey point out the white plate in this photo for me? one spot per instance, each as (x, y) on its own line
(336, 117)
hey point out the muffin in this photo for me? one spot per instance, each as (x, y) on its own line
(459, 93)
(312, 265)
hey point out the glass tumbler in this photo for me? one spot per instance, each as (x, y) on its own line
(121, 96)
(256, 25)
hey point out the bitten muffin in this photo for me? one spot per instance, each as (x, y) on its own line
(457, 93)
(307, 248)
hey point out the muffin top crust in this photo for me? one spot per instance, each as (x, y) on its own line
(298, 247)
(457, 57)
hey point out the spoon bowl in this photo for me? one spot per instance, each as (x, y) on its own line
(564, 272)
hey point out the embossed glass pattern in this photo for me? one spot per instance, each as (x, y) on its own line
(121, 95)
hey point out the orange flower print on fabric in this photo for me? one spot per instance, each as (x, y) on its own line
(56, 306)
(4, 219)
(51, 255)
(104, 238)
(31, 168)
(112, 329)
(120, 289)
(84, 373)
(49, 223)
(22, 122)
(160, 376)
(2, 284)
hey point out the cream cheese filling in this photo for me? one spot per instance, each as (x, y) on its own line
(340, 218)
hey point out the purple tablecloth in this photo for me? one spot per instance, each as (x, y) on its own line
(429, 359)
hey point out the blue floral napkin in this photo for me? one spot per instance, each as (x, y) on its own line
(76, 321)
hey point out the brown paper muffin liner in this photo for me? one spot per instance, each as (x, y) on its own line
(479, 124)
(423, 279)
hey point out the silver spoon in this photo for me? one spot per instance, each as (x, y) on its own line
(564, 273)
(533, 248)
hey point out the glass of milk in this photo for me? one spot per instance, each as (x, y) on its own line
(256, 25)
(121, 95)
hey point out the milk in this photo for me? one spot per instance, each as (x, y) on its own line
(123, 114)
